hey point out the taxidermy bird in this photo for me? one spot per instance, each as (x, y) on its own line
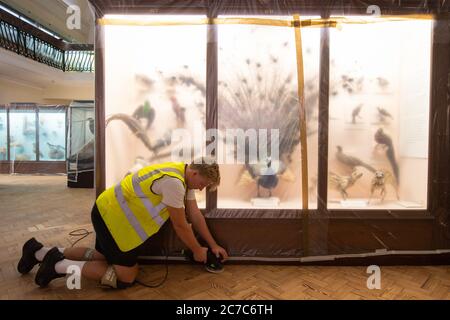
(379, 181)
(342, 183)
(258, 95)
(355, 113)
(351, 161)
(265, 176)
(382, 138)
(351, 85)
(144, 82)
(145, 112)
(383, 114)
(382, 82)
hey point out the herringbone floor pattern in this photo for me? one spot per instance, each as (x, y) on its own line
(42, 206)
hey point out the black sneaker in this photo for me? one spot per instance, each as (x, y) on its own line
(28, 260)
(47, 272)
(213, 263)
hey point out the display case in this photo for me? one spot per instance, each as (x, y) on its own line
(258, 94)
(32, 138)
(329, 122)
(161, 114)
(379, 115)
(80, 142)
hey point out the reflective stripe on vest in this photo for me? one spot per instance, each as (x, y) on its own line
(151, 210)
(128, 213)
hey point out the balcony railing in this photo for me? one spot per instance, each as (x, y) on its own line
(75, 58)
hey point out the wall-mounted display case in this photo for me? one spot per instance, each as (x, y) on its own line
(32, 138)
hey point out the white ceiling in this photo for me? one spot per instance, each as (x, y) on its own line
(52, 14)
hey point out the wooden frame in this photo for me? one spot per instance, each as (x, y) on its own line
(327, 229)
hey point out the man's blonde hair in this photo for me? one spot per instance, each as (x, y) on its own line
(207, 167)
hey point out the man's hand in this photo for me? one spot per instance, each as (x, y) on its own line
(200, 255)
(220, 252)
(199, 224)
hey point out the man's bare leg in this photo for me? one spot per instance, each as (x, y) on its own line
(95, 270)
(78, 254)
(56, 265)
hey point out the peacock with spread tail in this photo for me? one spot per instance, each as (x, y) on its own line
(261, 96)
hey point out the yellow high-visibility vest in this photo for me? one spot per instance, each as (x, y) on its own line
(130, 209)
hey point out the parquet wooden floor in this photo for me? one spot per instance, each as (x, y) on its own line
(42, 206)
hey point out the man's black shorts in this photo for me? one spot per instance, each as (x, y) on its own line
(106, 245)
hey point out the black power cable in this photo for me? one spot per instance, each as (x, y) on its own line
(82, 233)
(162, 281)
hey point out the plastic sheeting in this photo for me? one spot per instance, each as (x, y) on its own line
(330, 123)
(81, 144)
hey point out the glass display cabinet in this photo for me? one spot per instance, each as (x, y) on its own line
(330, 124)
(32, 138)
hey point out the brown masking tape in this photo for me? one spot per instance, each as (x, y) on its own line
(139, 23)
(382, 18)
(218, 21)
(203, 21)
(330, 22)
(301, 100)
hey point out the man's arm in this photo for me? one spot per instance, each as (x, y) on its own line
(184, 231)
(199, 224)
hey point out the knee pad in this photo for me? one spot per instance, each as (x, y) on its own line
(110, 280)
(88, 254)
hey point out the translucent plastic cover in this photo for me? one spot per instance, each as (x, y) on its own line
(329, 121)
(81, 142)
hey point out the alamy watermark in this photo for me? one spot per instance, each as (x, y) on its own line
(374, 280)
(73, 280)
(74, 19)
(374, 10)
(230, 146)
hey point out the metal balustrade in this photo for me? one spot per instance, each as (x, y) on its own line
(30, 46)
